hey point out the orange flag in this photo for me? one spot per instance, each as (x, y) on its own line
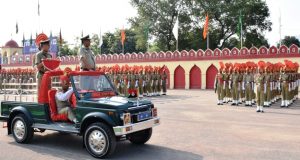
(123, 36)
(205, 28)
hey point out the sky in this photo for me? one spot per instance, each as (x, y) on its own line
(89, 16)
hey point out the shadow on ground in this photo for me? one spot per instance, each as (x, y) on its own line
(68, 146)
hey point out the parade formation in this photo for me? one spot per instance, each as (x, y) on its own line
(261, 84)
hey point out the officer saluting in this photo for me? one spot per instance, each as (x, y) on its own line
(87, 57)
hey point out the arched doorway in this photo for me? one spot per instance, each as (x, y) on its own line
(195, 78)
(179, 78)
(210, 76)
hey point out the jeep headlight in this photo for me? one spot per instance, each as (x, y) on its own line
(154, 112)
(126, 117)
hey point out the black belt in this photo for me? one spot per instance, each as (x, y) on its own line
(85, 69)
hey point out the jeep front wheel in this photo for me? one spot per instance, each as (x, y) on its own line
(100, 140)
(140, 137)
(21, 129)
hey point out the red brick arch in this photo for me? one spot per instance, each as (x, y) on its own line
(179, 78)
(195, 77)
(210, 76)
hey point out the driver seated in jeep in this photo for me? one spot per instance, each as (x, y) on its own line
(62, 99)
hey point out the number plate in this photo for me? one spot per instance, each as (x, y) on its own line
(143, 116)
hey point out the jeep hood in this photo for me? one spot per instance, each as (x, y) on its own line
(120, 101)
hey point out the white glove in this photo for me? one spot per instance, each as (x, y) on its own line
(243, 86)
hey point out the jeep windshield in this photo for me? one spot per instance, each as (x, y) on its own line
(88, 84)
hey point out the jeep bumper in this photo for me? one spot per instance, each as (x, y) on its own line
(123, 130)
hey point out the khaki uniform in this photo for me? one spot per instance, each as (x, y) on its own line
(164, 83)
(159, 84)
(267, 99)
(37, 60)
(227, 94)
(235, 87)
(241, 94)
(260, 85)
(88, 54)
(248, 80)
(141, 83)
(218, 86)
(284, 79)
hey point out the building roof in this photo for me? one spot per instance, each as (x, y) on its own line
(11, 44)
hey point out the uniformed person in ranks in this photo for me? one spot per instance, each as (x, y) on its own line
(229, 82)
(159, 82)
(164, 82)
(248, 81)
(226, 83)
(297, 81)
(145, 81)
(268, 79)
(260, 87)
(141, 81)
(253, 73)
(234, 79)
(43, 44)
(149, 81)
(126, 81)
(219, 83)
(136, 77)
(240, 79)
(284, 79)
(154, 81)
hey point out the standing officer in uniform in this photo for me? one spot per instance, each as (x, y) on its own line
(219, 83)
(164, 82)
(141, 81)
(43, 44)
(87, 61)
(284, 79)
(234, 78)
(260, 85)
(268, 80)
(86, 55)
(248, 84)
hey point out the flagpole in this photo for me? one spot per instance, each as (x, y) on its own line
(39, 19)
(177, 44)
(207, 40)
(241, 36)
(280, 27)
(100, 39)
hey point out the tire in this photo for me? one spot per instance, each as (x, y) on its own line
(140, 137)
(104, 135)
(21, 129)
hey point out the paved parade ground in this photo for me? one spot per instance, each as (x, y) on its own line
(193, 127)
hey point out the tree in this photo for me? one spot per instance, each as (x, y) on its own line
(289, 40)
(256, 39)
(223, 22)
(112, 42)
(161, 15)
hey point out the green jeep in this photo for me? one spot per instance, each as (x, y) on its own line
(103, 116)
